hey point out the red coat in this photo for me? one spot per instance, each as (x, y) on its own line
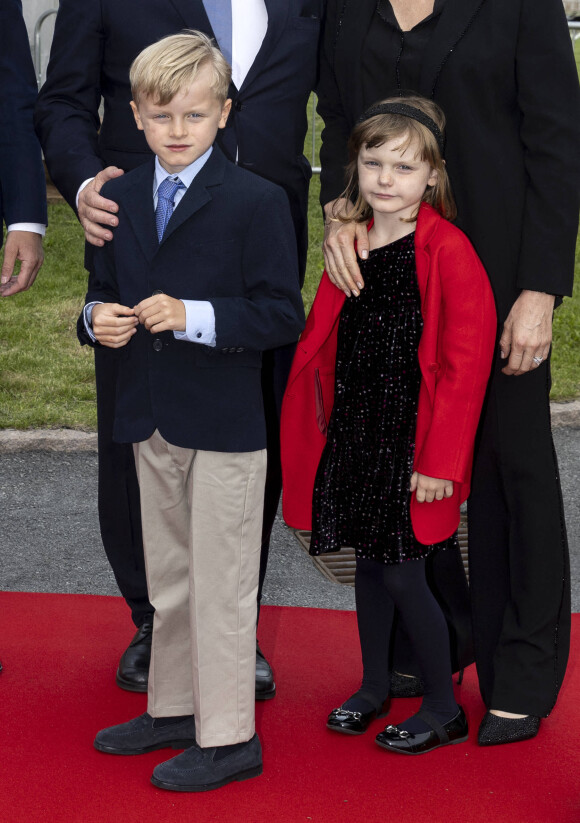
(455, 355)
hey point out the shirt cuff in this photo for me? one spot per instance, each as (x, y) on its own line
(88, 318)
(81, 187)
(199, 323)
(37, 228)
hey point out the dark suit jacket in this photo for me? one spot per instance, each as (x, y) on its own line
(22, 184)
(505, 76)
(95, 42)
(218, 246)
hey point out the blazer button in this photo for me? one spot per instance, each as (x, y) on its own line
(157, 344)
(241, 348)
(157, 291)
(238, 105)
(434, 367)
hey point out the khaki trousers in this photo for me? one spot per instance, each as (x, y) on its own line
(202, 524)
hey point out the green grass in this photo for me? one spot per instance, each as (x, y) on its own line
(47, 379)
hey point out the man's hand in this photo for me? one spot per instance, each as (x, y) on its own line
(527, 332)
(113, 324)
(96, 212)
(339, 249)
(161, 313)
(25, 246)
(430, 488)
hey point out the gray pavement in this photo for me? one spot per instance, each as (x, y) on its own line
(49, 536)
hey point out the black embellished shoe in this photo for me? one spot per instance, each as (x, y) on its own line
(347, 722)
(495, 730)
(404, 685)
(403, 742)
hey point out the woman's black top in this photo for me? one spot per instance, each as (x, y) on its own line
(384, 40)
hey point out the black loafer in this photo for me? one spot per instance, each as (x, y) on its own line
(495, 730)
(346, 722)
(133, 671)
(265, 686)
(199, 770)
(141, 735)
(403, 742)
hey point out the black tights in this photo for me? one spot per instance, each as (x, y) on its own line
(379, 589)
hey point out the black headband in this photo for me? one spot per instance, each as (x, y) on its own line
(406, 111)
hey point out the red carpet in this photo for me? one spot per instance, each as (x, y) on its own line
(57, 689)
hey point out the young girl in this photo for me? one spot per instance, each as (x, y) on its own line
(404, 368)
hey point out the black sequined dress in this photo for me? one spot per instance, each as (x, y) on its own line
(361, 492)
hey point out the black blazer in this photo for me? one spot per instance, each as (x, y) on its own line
(229, 241)
(95, 42)
(22, 184)
(503, 71)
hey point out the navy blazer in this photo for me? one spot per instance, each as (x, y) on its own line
(22, 183)
(228, 241)
(95, 42)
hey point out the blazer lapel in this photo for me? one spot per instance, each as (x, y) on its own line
(456, 18)
(139, 207)
(197, 195)
(277, 17)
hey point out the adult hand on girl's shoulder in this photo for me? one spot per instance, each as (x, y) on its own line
(429, 489)
(339, 244)
(527, 332)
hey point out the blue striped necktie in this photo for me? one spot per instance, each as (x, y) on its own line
(165, 203)
(220, 17)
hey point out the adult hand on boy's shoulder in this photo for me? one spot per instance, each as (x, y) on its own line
(96, 212)
(113, 324)
(161, 313)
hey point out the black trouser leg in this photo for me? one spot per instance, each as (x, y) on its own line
(275, 370)
(518, 553)
(118, 495)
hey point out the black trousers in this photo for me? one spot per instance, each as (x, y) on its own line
(118, 489)
(518, 551)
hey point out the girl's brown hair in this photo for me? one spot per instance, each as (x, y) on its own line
(382, 128)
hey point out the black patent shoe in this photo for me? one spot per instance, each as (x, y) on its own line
(265, 686)
(404, 685)
(495, 730)
(133, 671)
(347, 722)
(403, 742)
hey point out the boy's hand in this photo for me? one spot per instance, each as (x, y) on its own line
(113, 324)
(430, 488)
(161, 313)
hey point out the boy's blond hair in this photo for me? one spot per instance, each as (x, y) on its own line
(171, 65)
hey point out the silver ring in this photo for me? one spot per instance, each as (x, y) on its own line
(537, 360)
